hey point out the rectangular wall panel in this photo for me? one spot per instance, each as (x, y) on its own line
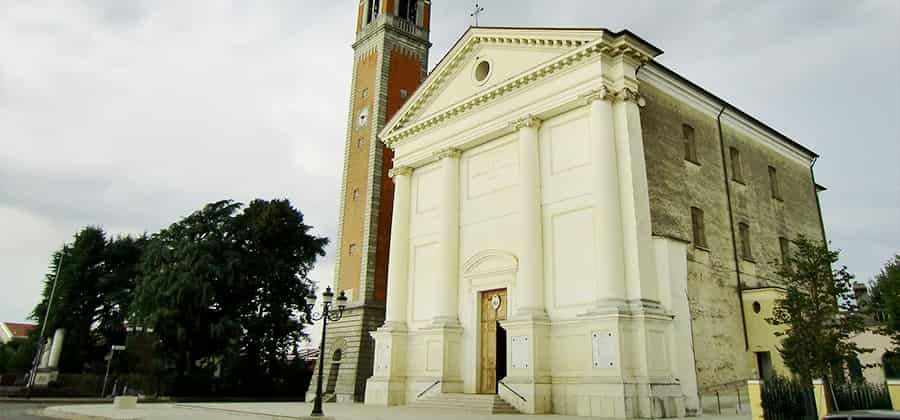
(492, 170)
(573, 257)
(427, 191)
(424, 259)
(568, 145)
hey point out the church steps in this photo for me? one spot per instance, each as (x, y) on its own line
(474, 403)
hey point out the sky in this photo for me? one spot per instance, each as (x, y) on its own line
(132, 114)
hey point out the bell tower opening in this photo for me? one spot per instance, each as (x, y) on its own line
(373, 10)
(407, 9)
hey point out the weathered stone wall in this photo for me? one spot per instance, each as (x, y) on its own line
(677, 184)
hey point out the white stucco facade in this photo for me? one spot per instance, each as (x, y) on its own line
(532, 179)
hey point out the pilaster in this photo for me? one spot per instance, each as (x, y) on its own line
(447, 293)
(607, 208)
(530, 281)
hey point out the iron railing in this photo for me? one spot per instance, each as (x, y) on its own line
(427, 389)
(512, 390)
(861, 396)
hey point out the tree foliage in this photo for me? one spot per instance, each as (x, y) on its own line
(886, 300)
(222, 288)
(188, 271)
(277, 254)
(16, 355)
(818, 312)
(91, 297)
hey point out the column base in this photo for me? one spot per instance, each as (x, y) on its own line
(527, 385)
(385, 391)
(388, 383)
(44, 376)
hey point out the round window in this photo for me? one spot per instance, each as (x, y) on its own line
(756, 307)
(482, 71)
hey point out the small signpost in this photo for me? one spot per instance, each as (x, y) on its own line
(112, 353)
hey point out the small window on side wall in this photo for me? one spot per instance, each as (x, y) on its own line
(785, 246)
(690, 144)
(746, 251)
(698, 227)
(774, 185)
(737, 167)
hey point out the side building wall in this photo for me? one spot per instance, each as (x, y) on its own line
(677, 184)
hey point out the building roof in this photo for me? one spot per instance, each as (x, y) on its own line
(649, 51)
(17, 329)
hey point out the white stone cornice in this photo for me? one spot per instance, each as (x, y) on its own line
(450, 152)
(606, 44)
(400, 170)
(604, 93)
(529, 121)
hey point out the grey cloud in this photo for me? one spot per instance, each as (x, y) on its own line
(131, 114)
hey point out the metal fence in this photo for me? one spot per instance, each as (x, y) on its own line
(864, 396)
(784, 399)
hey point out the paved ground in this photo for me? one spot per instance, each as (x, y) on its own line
(233, 411)
(20, 411)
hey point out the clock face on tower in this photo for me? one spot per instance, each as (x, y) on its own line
(362, 119)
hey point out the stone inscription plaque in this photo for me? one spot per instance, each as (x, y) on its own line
(383, 356)
(520, 352)
(603, 349)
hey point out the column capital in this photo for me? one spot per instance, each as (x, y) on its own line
(604, 93)
(630, 95)
(450, 152)
(400, 170)
(529, 121)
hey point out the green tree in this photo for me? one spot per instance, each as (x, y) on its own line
(16, 356)
(885, 304)
(277, 254)
(818, 312)
(92, 295)
(5, 354)
(116, 286)
(223, 288)
(184, 293)
(886, 300)
(76, 299)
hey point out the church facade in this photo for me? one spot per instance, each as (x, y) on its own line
(581, 230)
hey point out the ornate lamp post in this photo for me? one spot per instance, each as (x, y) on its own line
(326, 315)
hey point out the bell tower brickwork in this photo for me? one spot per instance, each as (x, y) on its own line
(390, 60)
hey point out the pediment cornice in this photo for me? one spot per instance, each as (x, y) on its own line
(406, 123)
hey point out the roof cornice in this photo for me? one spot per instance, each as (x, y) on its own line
(678, 87)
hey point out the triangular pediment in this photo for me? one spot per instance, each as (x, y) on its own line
(508, 52)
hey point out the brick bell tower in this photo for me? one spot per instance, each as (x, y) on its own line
(390, 60)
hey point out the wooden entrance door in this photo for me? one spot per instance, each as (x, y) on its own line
(493, 309)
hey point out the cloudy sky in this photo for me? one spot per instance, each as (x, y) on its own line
(131, 114)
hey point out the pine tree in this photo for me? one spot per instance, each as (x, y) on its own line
(818, 312)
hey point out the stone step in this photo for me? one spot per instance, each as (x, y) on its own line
(474, 403)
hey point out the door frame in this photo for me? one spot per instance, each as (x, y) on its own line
(478, 331)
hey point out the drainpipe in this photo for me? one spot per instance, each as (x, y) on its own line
(812, 175)
(737, 261)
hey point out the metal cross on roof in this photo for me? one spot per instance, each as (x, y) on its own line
(475, 13)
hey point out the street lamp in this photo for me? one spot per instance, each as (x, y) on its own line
(325, 316)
